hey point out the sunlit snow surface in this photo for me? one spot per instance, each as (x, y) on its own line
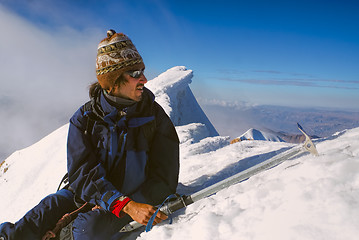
(305, 198)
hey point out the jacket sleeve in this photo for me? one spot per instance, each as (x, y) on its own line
(163, 165)
(86, 173)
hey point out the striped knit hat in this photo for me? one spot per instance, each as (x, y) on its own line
(116, 54)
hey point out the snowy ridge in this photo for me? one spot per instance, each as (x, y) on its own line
(305, 198)
(172, 92)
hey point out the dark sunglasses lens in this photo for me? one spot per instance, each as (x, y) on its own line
(136, 74)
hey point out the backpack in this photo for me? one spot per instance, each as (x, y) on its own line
(148, 131)
(64, 183)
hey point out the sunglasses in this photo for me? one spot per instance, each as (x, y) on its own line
(136, 73)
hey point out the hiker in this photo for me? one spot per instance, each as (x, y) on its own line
(122, 154)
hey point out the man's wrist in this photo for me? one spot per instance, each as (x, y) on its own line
(127, 206)
(118, 205)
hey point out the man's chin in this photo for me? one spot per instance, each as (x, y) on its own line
(137, 98)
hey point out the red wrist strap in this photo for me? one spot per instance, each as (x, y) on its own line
(118, 205)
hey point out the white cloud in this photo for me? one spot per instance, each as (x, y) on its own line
(224, 103)
(44, 78)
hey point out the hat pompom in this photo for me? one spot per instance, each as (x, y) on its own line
(110, 33)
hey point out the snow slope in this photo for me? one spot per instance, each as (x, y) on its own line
(28, 175)
(305, 198)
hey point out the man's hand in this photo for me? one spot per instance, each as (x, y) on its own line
(141, 212)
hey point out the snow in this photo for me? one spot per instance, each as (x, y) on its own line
(31, 174)
(305, 198)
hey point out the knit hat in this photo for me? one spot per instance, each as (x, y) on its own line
(116, 54)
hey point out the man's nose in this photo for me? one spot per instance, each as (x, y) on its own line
(143, 78)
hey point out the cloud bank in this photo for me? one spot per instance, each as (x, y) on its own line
(44, 78)
(278, 78)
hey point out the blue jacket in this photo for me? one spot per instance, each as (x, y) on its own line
(114, 152)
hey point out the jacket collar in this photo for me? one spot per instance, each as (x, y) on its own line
(140, 108)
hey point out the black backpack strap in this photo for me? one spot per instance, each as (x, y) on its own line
(89, 125)
(88, 113)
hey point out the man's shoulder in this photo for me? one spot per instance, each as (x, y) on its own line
(77, 117)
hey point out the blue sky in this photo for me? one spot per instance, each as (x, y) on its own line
(293, 53)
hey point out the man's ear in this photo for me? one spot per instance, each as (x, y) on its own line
(112, 89)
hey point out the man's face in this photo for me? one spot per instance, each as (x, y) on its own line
(132, 89)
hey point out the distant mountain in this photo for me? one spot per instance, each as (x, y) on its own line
(254, 134)
(234, 120)
(291, 137)
(270, 135)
